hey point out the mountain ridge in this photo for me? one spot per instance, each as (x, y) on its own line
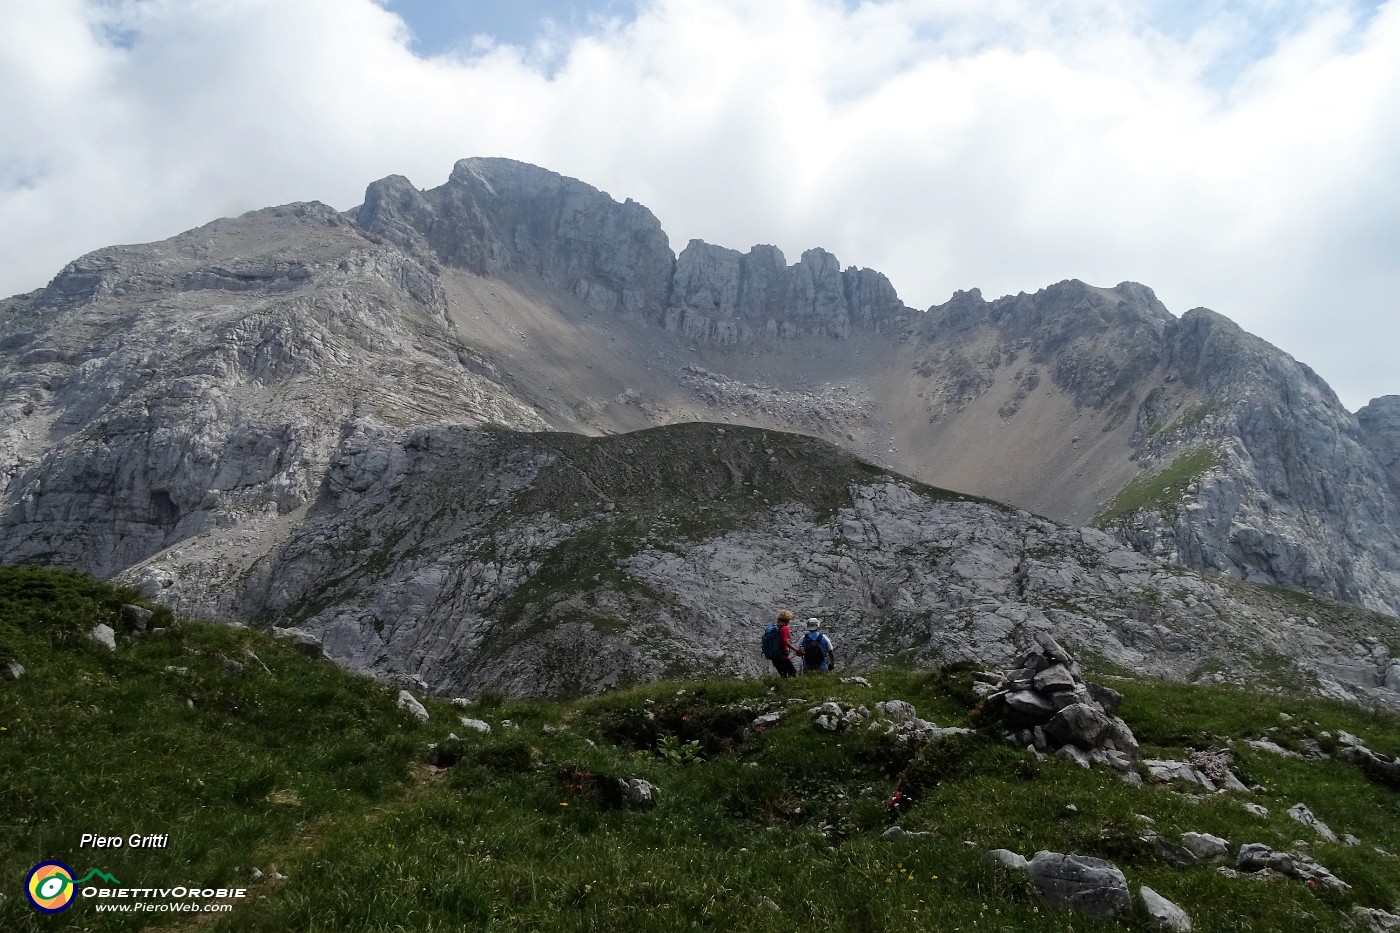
(175, 408)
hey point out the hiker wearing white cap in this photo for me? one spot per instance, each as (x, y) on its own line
(817, 653)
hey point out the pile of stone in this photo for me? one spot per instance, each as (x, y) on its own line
(1047, 706)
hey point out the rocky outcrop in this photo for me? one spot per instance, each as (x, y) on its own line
(472, 558)
(1080, 883)
(1380, 430)
(154, 393)
(495, 215)
(723, 297)
(1294, 495)
(1246, 461)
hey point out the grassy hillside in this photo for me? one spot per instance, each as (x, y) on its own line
(295, 767)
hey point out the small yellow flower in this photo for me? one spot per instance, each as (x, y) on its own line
(563, 803)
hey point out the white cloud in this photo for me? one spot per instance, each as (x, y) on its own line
(1003, 144)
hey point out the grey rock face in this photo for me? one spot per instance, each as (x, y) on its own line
(435, 551)
(1380, 430)
(495, 215)
(724, 297)
(1289, 481)
(214, 373)
(1088, 885)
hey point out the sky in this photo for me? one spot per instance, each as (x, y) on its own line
(1240, 156)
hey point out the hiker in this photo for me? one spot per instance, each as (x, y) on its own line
(817, 653)
(778, 646)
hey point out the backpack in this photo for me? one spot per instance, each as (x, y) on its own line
(772, 643)
(813, 651)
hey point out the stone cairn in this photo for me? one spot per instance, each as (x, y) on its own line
(1047, 707)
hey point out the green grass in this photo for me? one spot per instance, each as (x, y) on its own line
(1158, 490)
(311, 771)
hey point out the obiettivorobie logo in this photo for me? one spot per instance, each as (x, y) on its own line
(50, 886)
(51, 889)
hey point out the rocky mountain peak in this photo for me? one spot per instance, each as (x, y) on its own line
(496, 216)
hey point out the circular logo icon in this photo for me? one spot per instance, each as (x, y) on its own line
(50, 887)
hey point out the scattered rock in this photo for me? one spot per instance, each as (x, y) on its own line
(461, 702)
(898, 710)
(302, 641)
(861, 681)
(766, 720)
(1165, 771)
(1258, 810)
(103, 634)
(1205, 846)
(1257, 857)
(1163, 914)
(767, 903)
(136, 618)
(1169, 851)
(11, 670)
(1305, 816)
(414, 708)
(897, 832)
(640, 793)
(1376, 921)
(1273, 748)
(233, 668)
(476, 725)
(1007, 858)
(1087, 885)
